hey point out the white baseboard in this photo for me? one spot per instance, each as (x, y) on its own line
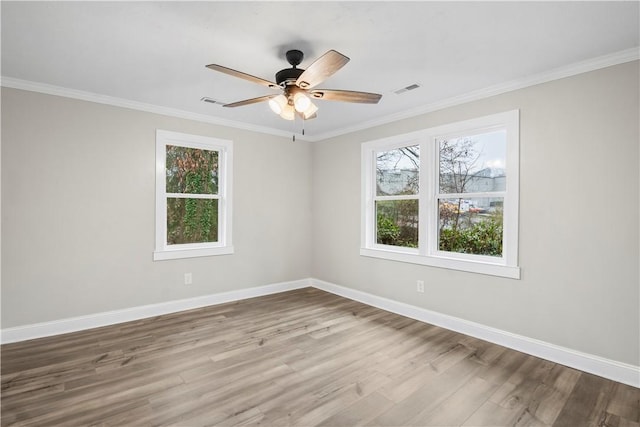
(607, 368)
(74, 324)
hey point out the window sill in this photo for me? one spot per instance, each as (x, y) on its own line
(191, 253)
(500, 270)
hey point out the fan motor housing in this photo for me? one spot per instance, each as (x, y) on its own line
(283, 77)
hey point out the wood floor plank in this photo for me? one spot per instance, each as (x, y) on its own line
(298, 358)
(491, 415)
(360, 412)
(405, 383)
(431, 394)
(521, 386)
(625, 403)
(587, 402)
(454, 410)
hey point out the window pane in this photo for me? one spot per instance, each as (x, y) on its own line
(397, 223)
(192, 220)
(191, 170)
(473, 163)
(471, 226)
(397, 171)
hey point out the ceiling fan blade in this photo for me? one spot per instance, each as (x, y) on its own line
(249, 101)
(245, 76)
(321, 69)
(345, 96)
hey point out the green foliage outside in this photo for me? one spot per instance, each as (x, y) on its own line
(388, 231)
(191, 171)
(397, 223)
(483, 237)
(192, 221)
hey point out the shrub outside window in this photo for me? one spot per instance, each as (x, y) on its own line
(445, 196)
(193, 189)
(471, 191)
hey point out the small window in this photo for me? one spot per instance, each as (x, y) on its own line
(193, 196)
(445, 196)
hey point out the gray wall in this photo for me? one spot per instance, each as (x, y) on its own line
(78, 215)
(579, 216)
(78, 211)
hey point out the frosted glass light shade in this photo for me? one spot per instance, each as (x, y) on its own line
(288, 112)
(278, 104)
(310, 111)
(301, 102)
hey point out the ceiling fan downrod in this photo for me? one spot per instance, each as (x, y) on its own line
(289, 76)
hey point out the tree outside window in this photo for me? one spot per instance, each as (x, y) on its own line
(193, 196)
(397, 189)
(471, 193)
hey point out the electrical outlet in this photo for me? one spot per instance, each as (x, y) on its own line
(188, 278)
(420, 286)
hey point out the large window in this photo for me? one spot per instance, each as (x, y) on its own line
(445, 196)
(193, 196)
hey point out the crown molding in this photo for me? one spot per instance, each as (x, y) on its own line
(592, 64)
(48, 89)
(628, 55)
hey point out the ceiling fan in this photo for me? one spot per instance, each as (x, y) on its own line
(296, 86)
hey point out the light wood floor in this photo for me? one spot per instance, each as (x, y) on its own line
(299, 358)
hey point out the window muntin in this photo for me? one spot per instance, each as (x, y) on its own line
(465, 203)
(193, 196)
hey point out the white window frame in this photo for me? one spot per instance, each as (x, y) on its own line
(428, 252)
(164, 251)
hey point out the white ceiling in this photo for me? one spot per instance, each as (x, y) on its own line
(155, 53)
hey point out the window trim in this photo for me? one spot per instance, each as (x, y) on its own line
(223, 246)
(427, 252)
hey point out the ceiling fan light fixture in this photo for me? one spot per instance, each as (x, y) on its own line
(288, 112)
(310, 111)
(301, 102)
(278, 104)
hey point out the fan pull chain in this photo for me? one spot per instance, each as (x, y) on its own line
(303, 122)
(295, 119)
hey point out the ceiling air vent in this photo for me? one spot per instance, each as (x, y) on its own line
(210, 100)
(406, 89)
